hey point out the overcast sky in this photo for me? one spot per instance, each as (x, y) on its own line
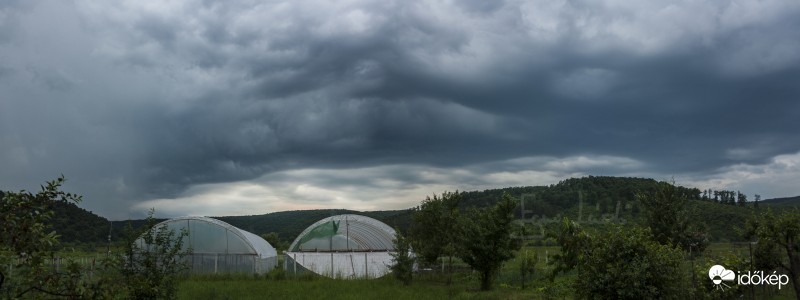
(249, 107)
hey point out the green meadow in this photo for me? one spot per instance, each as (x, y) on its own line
(433, 284)
(428, 284)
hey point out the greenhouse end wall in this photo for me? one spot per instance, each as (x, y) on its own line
(346, 265)
(342, 246)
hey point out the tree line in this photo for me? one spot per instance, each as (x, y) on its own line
(640, 260)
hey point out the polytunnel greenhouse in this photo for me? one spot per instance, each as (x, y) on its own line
(218, 247)
(343, 246)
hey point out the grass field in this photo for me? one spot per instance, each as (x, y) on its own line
(322, 288)
(432, 285)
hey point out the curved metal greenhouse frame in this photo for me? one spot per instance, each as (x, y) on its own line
(343, 246)
(219, 247)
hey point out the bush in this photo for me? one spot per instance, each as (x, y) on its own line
(700, 287)
(628, 264)
(28, 245)
(403, 266)
(277, 274)
(778, 246)
(620, 263)
(151, 263)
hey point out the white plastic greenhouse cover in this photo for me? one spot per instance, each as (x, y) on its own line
(220, 247)
(343, 246)
(256, 244)
(352, 233)
(345, 265)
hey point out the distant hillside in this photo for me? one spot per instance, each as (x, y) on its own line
(782, 202)
(599, 195)
(602, 197)
(601, 192)
(594, 197)
(76, 225)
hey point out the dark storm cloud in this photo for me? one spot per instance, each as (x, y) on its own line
(5, 71)
(200, 92)
(51, 79)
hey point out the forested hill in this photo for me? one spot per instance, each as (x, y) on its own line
(602, 192)
(593, 197)
(781, 202)
(602, 198)
(76, 225)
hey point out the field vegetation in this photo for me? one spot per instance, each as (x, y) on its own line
(433, 284)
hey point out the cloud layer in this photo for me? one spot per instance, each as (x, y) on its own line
(373, 104)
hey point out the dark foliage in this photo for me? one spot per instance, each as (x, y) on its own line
(619, 263)
(31, 269)
(403, 267)
(486, 239)
(434, 229)
(75, 225)
(152, 259)
(778, 242)
(667, 213)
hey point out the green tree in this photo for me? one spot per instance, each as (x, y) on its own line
(778, 233)
(273, 239)
(701, 287)
(152, 260)
(620, 263)
(742, 199)
(434, 227)
(403, 266)
(667, 215)
(486, 240)
(27, 248)
(575, 246)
